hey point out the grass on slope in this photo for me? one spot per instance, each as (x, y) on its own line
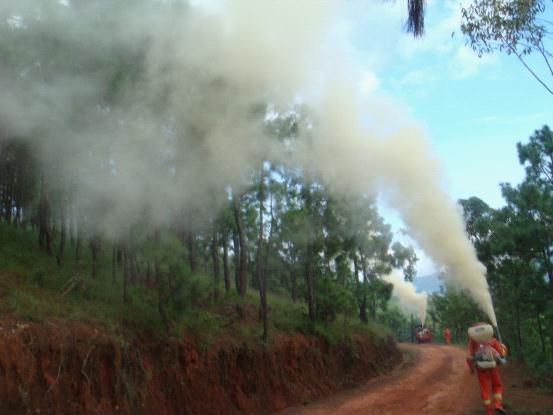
(31, 284)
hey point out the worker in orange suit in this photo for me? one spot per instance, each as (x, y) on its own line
(485, 353)
(447, 335)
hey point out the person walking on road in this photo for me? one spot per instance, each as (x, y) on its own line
(447, 335)
(484, 355)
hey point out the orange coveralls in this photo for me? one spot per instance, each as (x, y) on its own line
(487, 376)
(447, 336)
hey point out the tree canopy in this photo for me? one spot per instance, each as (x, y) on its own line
(517, 28)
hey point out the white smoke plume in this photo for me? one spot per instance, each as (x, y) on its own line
(400, 165)
(405, 293)
(149, 110)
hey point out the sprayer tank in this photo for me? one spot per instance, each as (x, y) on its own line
(481, 333)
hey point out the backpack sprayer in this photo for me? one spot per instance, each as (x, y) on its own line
(486, 356)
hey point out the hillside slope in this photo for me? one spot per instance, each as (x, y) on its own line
(83, 350)
(58, 367)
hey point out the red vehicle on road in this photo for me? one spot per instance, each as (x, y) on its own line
(423, 335)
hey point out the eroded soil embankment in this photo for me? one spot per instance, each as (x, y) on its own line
(71, 368)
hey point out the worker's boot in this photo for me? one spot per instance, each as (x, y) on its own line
(498, 397)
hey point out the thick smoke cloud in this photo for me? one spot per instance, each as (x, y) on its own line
(150, 110)
(405, 293)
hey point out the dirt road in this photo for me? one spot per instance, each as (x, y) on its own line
(435, 380)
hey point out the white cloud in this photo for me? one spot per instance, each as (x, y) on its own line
(369, 82)
(466, 63)
(418, 77)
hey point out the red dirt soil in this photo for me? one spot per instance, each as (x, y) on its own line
(433, 380)
(59, 367)
(521, 393)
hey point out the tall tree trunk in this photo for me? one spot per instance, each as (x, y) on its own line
(260, 259)
(294, 283)
(310, 283)
(18, 216)
(242, 279)
(546, 253)
(94, 244)
(215, 258)
(9, 208)
(113, 263)
(236, 247)
(363, 303)
(61, 247)
(309, 257)
(161, 299)
(191, 244)
(133, 276)
(148, 274)
(374, 306)
(71, 227)
(519, 333)
(45, 232)
(161, 296)
(205, 256)
(226, 270)
(540, 332)
(359, 288)
(78, 241)
(267, 246)
(126, 271)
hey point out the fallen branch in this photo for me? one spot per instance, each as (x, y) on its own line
(84, 363)
(71, 284)
(57, 378)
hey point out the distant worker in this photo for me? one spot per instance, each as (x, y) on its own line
(485, 353)
(447, 335)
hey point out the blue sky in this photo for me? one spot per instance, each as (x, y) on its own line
(474, 110)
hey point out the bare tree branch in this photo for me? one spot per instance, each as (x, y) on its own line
(515, 52)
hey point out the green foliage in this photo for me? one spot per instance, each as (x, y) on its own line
(406, 259)
(30, 283)
(513, 27)
(515, 243)
(32, 306)
(455, 310)
(537, 156)
(333, 298)
(504, 25)
(18, 176)
(287, 315)
(332, 334)
(395, 320)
